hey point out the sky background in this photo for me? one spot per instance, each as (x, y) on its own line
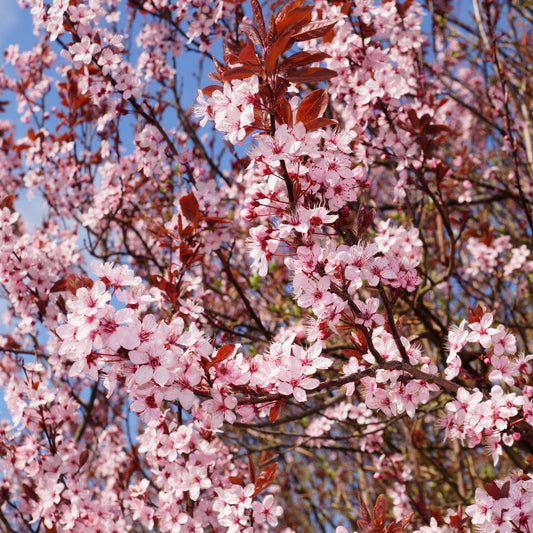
(15, 25)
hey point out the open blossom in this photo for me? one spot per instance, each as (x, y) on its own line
(262, 243)
(309, 219)
(482, 332)
(153, 362)
(267, 511)
(84, 50)
(368, 313)
(220, 408)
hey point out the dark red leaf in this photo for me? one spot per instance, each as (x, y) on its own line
(251, 469)
(380, 511)
(274, 411)
(7, 201)
(302, 59)
(399, 526)
(77, 281)
(251, 32)
(238, 73)
(283, 111)
(187, 254)
(294, 19)
(248, 56)
(432, 129)
(364, 510)
(224, 352)
(189, 206)
(274, 51)
(271, 31)
(493, 490)
(259, 20)
(235, 480)
(413, 118)
(312, 106)
(285, 10)
(314, 30)
(29, 492)
(309, 74)
(84, 455)
(210, 89)
(59, 285)
(319, 123)
(403, 7)
(505, 488)
(265, 478)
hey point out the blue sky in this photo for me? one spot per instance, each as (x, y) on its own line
(15, 25)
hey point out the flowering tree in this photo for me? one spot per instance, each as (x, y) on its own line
(301, 303)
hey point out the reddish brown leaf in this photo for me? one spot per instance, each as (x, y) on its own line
(294, 19)
(364, 510)
(432, 129)
(235, 480)
(251, 32)
(41, 306)
(259, 20)
(168, 288)
(314, 30)
(364, 219)
(248, 56)
(403, 7)
(283, 111)
(59, 285)
(399, 526)
(274, 411)
(285, 10)
(238, 73)
(84, 455)
(265, 478)
(475, 315)
(274, 51)
(224, 352)
(312, 106)
(187, 254)
(77, 281)
(210, 89)
(370, 528)
(29, 492)
(302, 59)
(505, 489)
(271, 31)
(493, 490)
(319, 123)
(413, 118)
(189, 206)
(380, 511)
(310, 74)
(216, 220)
(7, 201)
(457, 521)
(251, 469)
(31, 134)
(231, 53)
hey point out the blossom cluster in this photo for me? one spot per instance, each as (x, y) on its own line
(506, 506)
(273, 322)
